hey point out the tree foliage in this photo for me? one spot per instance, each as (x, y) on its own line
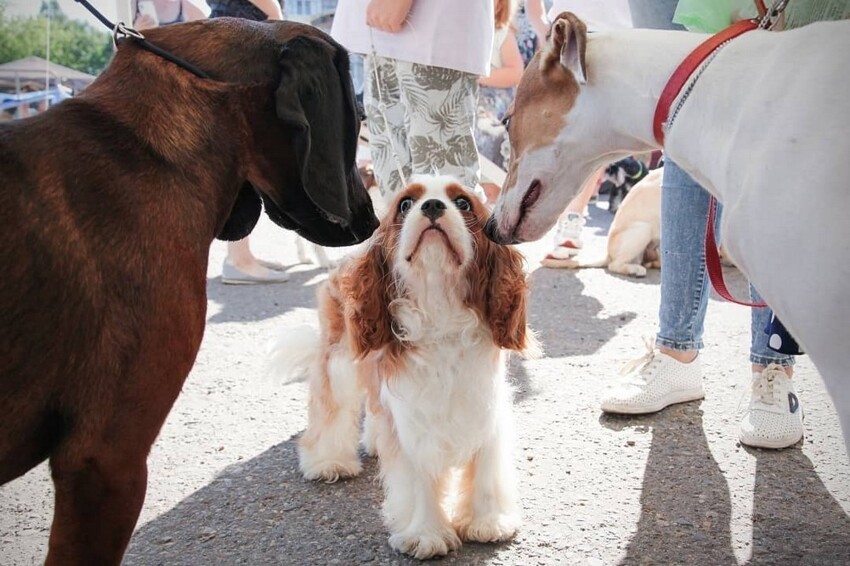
(73, 43)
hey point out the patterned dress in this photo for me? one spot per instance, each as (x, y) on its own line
(490, 135)
(421, 120)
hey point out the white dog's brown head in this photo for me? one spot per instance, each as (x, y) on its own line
(430, 252)
(553, 129)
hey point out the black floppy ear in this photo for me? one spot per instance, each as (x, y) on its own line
(243, 216)
(312, 102)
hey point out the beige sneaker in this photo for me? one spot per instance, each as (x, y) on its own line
(775, 417)
(653, 382)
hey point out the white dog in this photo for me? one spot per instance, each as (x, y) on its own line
(762, 129)
(417, 327)
(322, 260)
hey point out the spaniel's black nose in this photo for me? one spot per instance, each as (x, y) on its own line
(433, 208)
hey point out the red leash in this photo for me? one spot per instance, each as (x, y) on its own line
(712, 260)
(662, 111)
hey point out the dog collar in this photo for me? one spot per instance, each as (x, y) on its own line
(686, 68)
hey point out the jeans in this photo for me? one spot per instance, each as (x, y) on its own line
(685, 286)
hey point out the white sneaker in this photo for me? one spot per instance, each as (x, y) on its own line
(568, 237)
(775, 417)
(653, 382)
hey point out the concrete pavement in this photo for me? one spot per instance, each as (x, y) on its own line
(670, 488)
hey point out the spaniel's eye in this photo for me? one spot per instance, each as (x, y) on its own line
(462, 203)
(405, 205)
(506, 121)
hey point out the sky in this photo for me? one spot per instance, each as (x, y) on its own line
(72, 9)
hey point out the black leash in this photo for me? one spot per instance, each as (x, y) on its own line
(121, 32)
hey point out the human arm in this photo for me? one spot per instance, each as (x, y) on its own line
(388, 15)
(195, 10)
(141, 20)
(270, 8)
(509, 74)
(536, 13)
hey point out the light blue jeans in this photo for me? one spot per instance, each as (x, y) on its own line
(684, 210)
(685, 286)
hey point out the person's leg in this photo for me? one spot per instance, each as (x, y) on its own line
(242, 267)
(567, 236)
(774, 416)
(579, 203)
(441, 107)
(673, 373)
(684, 285)
(388, 126)
(761, 354)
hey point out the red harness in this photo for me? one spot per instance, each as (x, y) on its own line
(662, 111)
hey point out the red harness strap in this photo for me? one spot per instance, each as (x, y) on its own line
(712, 260)
(662, 111)
(687, 67)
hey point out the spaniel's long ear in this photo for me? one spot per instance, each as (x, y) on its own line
(499, 291)
(243, 216)
(507, 304)
(367, 295)
(565, 47)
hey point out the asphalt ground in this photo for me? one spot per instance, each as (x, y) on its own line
(671, 488)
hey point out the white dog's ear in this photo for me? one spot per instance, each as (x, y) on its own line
(566, 46)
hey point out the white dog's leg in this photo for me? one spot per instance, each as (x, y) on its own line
(301, 249)
(413, 512)
(328, 449)
(322, 256)
(488, 509)
(626, 252)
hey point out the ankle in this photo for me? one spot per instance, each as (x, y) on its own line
(681, 356)
(789, 370)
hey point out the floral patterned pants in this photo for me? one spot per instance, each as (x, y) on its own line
(430, 122)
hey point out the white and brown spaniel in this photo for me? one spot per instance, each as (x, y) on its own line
(416, 329)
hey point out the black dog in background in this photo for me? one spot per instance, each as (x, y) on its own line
(619, 178)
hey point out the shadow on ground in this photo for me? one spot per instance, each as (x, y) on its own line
(263, 512)
(574, 328)
(686, 509)
(241, 303)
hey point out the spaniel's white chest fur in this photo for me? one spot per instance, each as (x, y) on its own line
(445, 400)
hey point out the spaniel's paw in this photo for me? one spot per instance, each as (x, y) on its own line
(328, 470)
(425, 544)
(490, 528)
(369, 438)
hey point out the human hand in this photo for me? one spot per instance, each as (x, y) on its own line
(143, 22)
(388, 15)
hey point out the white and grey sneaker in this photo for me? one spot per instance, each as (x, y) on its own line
(567, 237)
(775, 417)
(653, 382)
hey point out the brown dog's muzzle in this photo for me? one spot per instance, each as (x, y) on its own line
(300, 213)
(315, 102)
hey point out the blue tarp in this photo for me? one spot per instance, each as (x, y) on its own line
(55, 95)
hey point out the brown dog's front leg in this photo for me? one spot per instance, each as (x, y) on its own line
(98, 500)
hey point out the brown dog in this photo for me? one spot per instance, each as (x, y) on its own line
(108, 207)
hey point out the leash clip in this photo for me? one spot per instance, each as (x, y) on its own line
(771, 17)
(121, 30)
